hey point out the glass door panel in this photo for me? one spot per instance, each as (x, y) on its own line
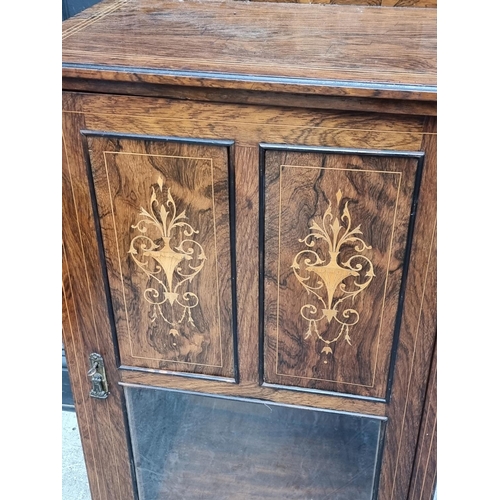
(202, 447)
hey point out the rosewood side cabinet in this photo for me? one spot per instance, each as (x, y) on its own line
(249, 273)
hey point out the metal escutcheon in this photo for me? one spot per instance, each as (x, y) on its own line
(97, 376)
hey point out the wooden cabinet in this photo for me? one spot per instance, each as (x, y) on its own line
(250, 247)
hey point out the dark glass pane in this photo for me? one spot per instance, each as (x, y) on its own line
(190, 446)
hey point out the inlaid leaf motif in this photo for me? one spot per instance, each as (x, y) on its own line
(337, 280)
(169, 267)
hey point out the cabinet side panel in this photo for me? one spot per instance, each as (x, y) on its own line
(425, 468)
(87, 330)
(417, 337)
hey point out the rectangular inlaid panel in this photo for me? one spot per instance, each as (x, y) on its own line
(336, 230)
(197, 447)
(163, 211)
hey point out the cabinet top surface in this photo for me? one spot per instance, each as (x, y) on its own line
(313, 49)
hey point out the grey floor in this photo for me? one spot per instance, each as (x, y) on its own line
(74, 476)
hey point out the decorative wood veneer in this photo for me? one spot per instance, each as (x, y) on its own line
(425, 472)
(325, 118)
(432, 4)
(102, 427)
(336, 234)
(308, 49)
(164, 216)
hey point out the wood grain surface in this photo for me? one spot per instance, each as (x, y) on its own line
(251, 389)
(242, 77)
(235, 96)
(86, 328)
(430, 4)
(424, 476)
(164, 216)
(88, 324)
(322, 328)
(417, 336)
(249, 125)
(307, 49)
(247, 279)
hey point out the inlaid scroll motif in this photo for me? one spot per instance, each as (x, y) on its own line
(167, 253)
(334, 255)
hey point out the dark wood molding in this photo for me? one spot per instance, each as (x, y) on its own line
(290, 100)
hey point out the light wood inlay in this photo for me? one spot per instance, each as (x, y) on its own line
(104, 9)
(71, 338)
(169, 268)
(334, 273)
(426, 461)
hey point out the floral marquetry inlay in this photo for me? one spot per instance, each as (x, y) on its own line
(166, 251)
(333, 270)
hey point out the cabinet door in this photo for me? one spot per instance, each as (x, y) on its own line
(337, 233)
(163, 213)
(245, 319)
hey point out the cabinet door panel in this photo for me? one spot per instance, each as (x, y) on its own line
(163, 212)
(337, 226)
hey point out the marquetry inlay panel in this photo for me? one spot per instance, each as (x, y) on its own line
(336, 228)
(163, 211)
